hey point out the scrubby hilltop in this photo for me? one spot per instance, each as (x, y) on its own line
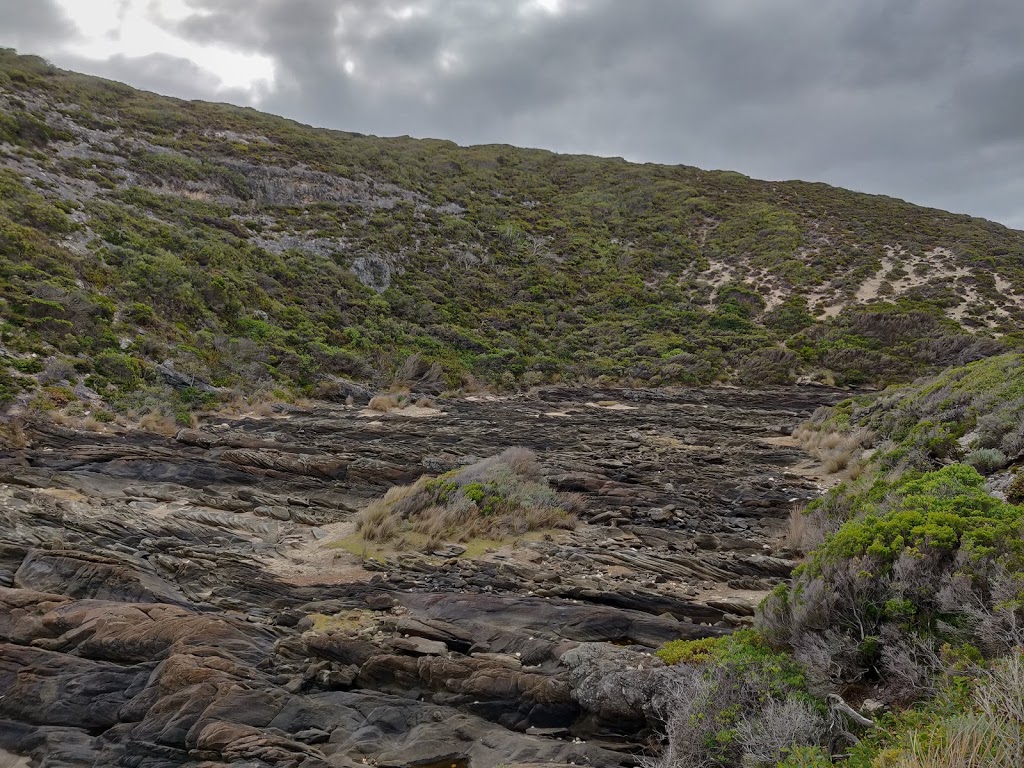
(250, 250)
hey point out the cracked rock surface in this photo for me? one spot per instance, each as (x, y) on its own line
(181, 601)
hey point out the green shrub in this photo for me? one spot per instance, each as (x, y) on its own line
(690, 651)
(736, 699)
(925, 560)
(940, 511)
(9, 389)
(27, 364)
(122, 370)
(986, 460)
(1015, 490)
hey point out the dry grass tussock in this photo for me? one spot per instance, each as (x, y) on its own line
(92, 424)
(837, 451)
(798, 536)
(12, 435)
(397, 401)
(501, 497)
(158, 423)
(264, 403)
(416, 373)
(384, 403)
(989, 736)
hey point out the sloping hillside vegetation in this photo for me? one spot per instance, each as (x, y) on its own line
(252, 252)
(899, 642)
(912, 605)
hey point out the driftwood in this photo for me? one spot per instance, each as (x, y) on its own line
(837, 704)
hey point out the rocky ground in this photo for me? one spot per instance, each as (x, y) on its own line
(196, 600)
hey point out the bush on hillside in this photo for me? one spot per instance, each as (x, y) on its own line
(735, 701)
(925, 425)
(982, 729)
(1015, 490)
(986, 460)
(923, 562)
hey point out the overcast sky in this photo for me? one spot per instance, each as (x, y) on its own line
(920, 99)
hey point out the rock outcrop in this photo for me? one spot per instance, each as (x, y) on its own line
(175, 601)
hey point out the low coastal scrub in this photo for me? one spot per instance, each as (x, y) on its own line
(909, 603)
(974, 413)
(924, 566)
(735, 700)
(498, 498)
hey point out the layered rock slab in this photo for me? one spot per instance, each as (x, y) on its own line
(154, 609)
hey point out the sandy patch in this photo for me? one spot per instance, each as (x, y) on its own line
(608, 405)
(717, 274)
(64, 494)
(869, 288)
(412, 412)
(253, 416)
(751, 597)
(831, 311)
(618, 571)
(783, 441)
(810, 468)
(316, 562)
(1006, 289)
(814, 471)
(8, 760)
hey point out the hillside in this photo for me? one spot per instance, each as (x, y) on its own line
(253, 252)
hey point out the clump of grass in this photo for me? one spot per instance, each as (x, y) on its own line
(837, 461)
(384, 403)
(92, 424)
(397, 401)
(501, 497)
(159, 423)
(986, 732)
(380, 520)
(12, 435)
(261, 403)
(796, 538)
(837, 451)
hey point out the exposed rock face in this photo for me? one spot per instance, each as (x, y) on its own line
(158, 608)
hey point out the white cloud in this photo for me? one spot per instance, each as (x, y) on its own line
(138, 28)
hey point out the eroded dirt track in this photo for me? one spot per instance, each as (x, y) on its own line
(175, 601)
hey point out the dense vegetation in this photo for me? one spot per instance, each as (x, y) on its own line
(736, 701)
(912, 600)
(256, 253)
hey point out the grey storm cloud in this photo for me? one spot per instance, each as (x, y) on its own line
(32, 25)
(921, 99)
